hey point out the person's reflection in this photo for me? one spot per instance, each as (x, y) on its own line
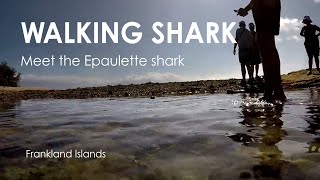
(6, 109)
(313, 119)
(8, 116)
(272, 165)
(267, 119)
(249, 115)
(6, 106)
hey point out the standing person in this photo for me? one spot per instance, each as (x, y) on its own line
(244, 40)
(256, 59)
(311, 41)
(266, 14)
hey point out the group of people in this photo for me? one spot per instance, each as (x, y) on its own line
(249, 55)
(260, 47)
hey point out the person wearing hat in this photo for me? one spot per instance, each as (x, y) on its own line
(244, 40)
(266, 15)
(311, 41)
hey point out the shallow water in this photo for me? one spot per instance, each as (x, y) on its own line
(191, 137)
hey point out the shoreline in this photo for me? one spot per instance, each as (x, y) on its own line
(147, 90)
(291, 81)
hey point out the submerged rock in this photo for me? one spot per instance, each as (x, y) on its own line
(245, 175)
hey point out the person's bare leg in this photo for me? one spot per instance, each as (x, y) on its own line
(243, 71)
(271, 66)
(250, 70)
(276, 74)
(310, 65)
(250, 73)
(264, 46)
(257, 70)
(317, 62)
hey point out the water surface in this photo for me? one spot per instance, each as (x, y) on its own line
(191, 137)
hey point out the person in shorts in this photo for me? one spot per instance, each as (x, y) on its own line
(311, 41)
(244, 40)
(266, 15)
(256, 59)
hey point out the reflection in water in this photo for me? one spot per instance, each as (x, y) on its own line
(314, 146)
(6, 106)
(7, 112)
(10, 131)
(264, 132)
(171, 136)
(8, 115)
(313, 109)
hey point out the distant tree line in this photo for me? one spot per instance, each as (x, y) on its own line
(9, 76)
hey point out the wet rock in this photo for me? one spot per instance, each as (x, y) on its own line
(126, 94)
(235, 91)
(245, 175)
(158, 89)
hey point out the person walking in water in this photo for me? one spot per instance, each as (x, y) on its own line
(256, 59)
(244, 40)
(266, 15)
(311, 41)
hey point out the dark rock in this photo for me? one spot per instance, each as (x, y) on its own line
(245, 175)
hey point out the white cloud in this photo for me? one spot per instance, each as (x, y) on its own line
(278, 39)
(151, 77)
(290, 30)
(316, 1)
(290, 25)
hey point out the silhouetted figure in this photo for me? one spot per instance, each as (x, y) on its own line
(256, 59)
(244, 41)
(311, 41)
(267, 18)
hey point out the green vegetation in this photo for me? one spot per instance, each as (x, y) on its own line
(300, 79)
(9, 76)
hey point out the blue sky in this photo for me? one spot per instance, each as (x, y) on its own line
(202, 61)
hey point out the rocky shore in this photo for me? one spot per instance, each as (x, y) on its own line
(300, 79)
(292, 80)
(132, 90)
